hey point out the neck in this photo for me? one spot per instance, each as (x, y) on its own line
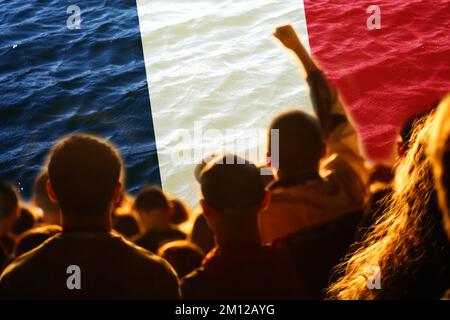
(301, 176)
(77, 223)
(239, 236)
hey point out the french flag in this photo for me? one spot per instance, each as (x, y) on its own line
(139, 73)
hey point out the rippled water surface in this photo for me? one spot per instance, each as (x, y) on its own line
(207, 61)
(55, 81)
(385, 75)
(217, 75)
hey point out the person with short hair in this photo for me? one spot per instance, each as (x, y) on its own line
(9, 207)
(156, 212)
(33, 238)
(51, 214)
(86, 260)
(239, 267)
(183, 255)
(9, 214)
(126, 224)
(26, 221)
(181, 212)
(320, 173)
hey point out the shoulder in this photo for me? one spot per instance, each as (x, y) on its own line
(142, 237)
(192, 284)
(146, 257)
(25, 259)
(179, 234)
(23, 268)
(153, 269)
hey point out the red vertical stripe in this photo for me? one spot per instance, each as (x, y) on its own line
(385, 75)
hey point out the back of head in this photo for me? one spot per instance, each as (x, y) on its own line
(9, 202)
(183, 255)
(35, 237)
(25, 222)
(300, 141)
(126, 224)
(84, 171)
(151, 198)
(231, 185)
(40, 195)
(180, 211)
(439, 151)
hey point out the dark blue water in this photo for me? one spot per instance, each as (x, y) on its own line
(55, 81)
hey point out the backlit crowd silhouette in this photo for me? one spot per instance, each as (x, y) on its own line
(325, 226)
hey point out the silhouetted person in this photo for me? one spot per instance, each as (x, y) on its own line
(51, 214)
(86, 260)
(321, 174)
(180, 213)
(201, 233)
(183, 255)
(239, 267)
(439, 151)
(26, 221)
(35, 237)
(407, 251)
(126, 224)
(9, 213)
(381, 178)
(156, 213)
(3, 258)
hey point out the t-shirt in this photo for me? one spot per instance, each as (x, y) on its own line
(244, 272)
(153, 239)
(88, 265)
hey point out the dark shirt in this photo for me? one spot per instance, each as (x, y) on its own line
(318, 249)
(110, 268)
(243, 272)
(153, 239)
(377, 205)
(2, 258)
(202, 235)
(7, 244)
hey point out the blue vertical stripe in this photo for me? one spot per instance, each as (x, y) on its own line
(55, 81)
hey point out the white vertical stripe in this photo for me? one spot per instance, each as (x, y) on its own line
(216, 63)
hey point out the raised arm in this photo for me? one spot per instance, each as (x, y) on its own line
(338, 132)
(323, 94)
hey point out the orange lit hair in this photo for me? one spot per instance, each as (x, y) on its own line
(404, 237)
(439, 147)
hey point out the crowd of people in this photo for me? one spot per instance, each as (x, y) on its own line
(325, 226)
